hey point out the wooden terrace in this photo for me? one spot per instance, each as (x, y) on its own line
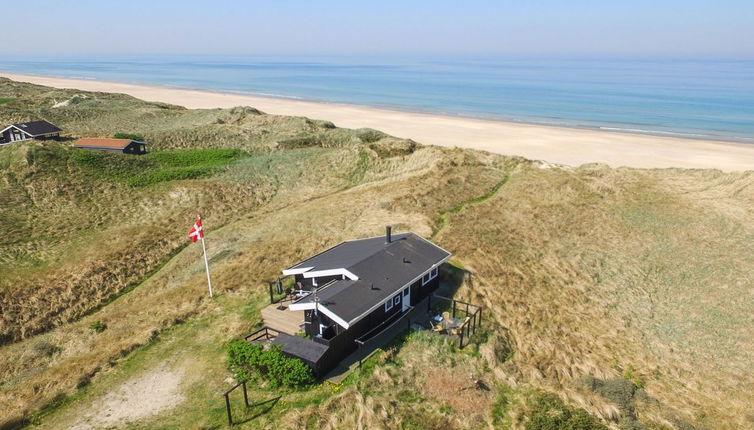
(282, 319)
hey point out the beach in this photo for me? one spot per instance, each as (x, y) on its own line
(557, 145)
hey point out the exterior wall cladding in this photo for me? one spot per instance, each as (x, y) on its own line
(306, 283)
(341, 342)
(5, 137)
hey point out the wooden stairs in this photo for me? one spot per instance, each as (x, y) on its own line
(285, 320)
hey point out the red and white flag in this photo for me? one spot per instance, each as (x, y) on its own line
(196, 232)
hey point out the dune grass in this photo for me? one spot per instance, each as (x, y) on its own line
(156, 167)
(611, 274)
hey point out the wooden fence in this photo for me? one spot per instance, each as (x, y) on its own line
(266, 405)
(458, 307)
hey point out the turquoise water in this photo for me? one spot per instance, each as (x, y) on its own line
(691, 98)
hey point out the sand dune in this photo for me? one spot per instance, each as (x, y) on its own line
(561, 145)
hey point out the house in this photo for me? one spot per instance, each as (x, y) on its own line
(125, 146)
(29, 130)
(355, 289)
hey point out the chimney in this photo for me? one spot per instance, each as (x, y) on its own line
(388, 234)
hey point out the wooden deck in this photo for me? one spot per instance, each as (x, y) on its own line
(285, 320)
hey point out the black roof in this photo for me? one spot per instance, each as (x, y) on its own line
(36, 128)
(383, 270)
(299, 347)
(347, 253)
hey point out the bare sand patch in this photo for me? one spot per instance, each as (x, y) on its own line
(141, 397)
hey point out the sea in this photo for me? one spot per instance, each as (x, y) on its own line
(694, 98)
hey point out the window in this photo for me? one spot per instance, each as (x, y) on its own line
(432, 274)
(314, 282)
(388, 305)
(405, 292)
(396, 299)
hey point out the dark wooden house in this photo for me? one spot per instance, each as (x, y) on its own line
(125, 146)
(355, 288)
(29, 130)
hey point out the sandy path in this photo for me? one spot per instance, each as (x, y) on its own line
(554, 144)
(144, 396)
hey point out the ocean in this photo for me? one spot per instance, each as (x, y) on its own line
(706, 99)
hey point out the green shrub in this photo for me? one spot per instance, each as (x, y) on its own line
(98, 326)
(368, 135)
(549, 413)
(501, 405)
(131, 136)
(4, 100)
(249, 360)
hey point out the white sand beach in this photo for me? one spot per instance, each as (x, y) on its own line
(560, 145)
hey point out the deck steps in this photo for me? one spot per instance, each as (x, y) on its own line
(285, 320)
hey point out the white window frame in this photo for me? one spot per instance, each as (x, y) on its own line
(397, 299)
(314, 282)
(389, 304)
(430, 275)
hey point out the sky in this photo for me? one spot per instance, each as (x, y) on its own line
(618, 28)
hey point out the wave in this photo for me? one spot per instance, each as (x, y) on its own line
(676, 133)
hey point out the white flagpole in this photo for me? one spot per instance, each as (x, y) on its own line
(206, 262)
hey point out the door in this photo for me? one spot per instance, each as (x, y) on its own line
(406, 298)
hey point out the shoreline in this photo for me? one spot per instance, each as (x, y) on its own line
(612, 128)
(557, 144)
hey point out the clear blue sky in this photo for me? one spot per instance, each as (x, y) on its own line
(687, 28)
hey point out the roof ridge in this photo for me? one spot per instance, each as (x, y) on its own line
(350, 241)
(367, 257)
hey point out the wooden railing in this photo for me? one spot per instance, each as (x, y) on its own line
(472, 311)
(264, 332)
(383, 327)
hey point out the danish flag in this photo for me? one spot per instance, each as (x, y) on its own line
(196, 232)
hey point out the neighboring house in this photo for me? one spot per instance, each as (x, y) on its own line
(125, 146)
(29, 130)
(357, 288)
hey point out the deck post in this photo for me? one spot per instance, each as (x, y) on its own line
(461, 340)
(359, 352)
(227, 407)
(272, 298)
(245, 396)
(454, 308)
